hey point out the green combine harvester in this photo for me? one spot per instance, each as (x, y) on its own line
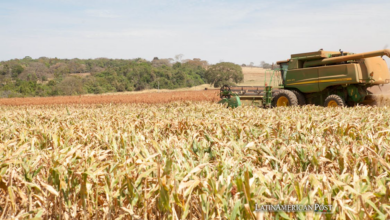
(325, 78)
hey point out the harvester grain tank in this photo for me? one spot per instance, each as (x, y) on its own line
(325, 78)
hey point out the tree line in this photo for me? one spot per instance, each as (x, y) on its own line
(44, 76)
(263, 64)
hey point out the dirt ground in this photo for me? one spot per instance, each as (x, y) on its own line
(150, 97)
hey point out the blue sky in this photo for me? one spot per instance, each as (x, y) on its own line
(219, 30)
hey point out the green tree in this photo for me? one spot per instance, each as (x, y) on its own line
(27, 58)
(224, 73)
(16, 70)
(70, 86)
(6, 69)
(20, 77)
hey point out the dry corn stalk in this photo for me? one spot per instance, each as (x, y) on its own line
(192, 161)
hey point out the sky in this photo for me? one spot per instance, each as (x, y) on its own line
(240, 31)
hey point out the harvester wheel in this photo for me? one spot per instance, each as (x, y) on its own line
(284, 98)
(301, 98)
(334, 101)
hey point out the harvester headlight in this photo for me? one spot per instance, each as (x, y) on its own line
(387, 81)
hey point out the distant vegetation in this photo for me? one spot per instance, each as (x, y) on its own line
(224, 74)
(51, 76)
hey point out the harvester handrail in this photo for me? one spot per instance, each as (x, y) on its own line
(272, 73)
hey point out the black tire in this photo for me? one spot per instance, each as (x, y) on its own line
(301, 98)
(290, 97)
(334, 101)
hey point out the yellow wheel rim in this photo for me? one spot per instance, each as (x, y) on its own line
(332, 103)
(282, 101)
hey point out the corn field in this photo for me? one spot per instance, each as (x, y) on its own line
(192, 160)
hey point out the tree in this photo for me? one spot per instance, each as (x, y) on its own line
(178, 57)
(224, 73)
(262, 63)
(6, 69)
(179, 78)
(107, 75)
(162, 62)
(70, 86)
(35, 69)
(16, 70)
(265, 65)
(196, 62)
(27, 58)
(59, 70)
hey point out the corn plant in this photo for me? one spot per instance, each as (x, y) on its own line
(192, 160)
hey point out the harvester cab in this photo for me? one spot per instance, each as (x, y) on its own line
(327, 78)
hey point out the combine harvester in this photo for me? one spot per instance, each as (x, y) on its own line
(323, 78)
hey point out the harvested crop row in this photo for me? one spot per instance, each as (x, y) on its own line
(192, 161)
(156, 97)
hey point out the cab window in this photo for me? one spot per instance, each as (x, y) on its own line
(283, 70)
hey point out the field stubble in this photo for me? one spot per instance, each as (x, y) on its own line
(192, 161)
(134, 97)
